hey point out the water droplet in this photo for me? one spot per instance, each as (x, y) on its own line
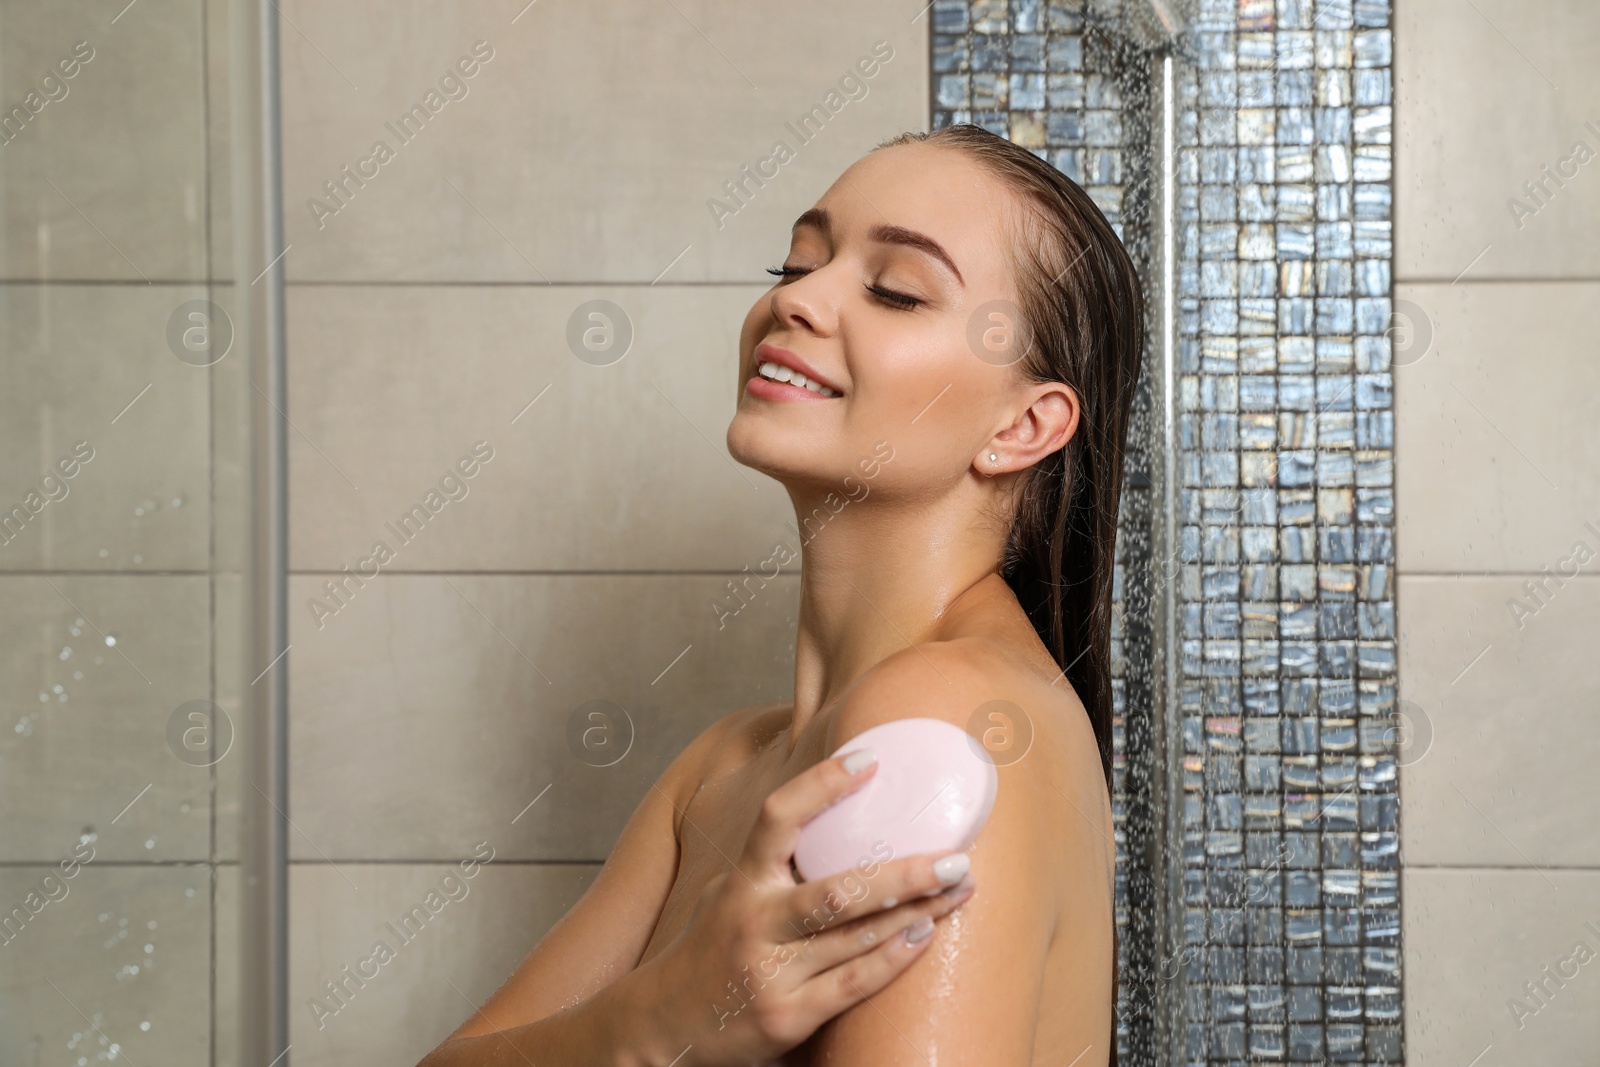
(177, 501)
(104, 916)
(148, 948)
(189, 892)
(77, 676)
(75, 631)
(98, 660)
(66, 653)
(138, 511)
(151, 925)
(104, 553)
(44, 698)
(122, 922)
(145, 1026)
(150, 842)
(56, 689)
(138, 558)
(111, 640)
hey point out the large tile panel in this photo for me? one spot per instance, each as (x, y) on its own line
(1475, 940)
(562, 160)
(432, 711)
(87, 749)
(1496, 405)
(92, 365)
(1500, 767)
(438, 971)
(618, 467)
(1490, 94)
(114, 966)
(131, 117)
(225, 1003)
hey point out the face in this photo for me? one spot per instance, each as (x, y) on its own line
(877, 301)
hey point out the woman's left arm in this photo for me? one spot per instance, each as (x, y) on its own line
(973, 997)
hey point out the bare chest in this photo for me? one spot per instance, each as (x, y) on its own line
(715, 825)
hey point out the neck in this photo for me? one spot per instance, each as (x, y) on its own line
(881, 575)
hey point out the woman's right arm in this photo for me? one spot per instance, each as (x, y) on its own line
(761, 964)
(601, 937)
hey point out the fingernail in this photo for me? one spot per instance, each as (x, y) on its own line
(950, 869)
(961, 888)
(919, 930)
(860, 760)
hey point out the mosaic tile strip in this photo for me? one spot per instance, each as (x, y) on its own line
(1285, 493)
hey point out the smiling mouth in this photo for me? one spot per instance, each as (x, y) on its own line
(777, 372)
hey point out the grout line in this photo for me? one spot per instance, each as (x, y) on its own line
(1497, 280)
(200, 863)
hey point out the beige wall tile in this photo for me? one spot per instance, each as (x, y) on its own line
(483, 926)
(76, 763)
(90, 943)
(1487, 97)
(1502, 769)
(143, 496)
(620, 467)
(1473, 939)
(225, 991)
(570, 162)
(230, 679)
(431, 711)
(232, 394)
(219, 138)
(134, 113)
(1496, 464)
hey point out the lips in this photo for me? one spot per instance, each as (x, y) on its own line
(793, 373)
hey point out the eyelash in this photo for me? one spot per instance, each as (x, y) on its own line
(888, 296)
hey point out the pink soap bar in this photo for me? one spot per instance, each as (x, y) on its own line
(932, 792)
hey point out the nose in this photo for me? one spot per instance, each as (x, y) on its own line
(807, 303)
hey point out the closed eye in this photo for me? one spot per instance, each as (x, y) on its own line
(888, 296)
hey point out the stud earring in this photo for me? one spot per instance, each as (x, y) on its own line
(993, 458)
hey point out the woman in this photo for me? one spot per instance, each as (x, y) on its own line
(981, 456)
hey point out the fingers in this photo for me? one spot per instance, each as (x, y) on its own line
(851, 894)
(842, 987)
(791, 805)
(842, 942)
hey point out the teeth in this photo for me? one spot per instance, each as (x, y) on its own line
(777, 372)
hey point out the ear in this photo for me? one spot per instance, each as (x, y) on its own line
(1044, 426)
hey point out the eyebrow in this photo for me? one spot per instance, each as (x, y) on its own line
(895, 235)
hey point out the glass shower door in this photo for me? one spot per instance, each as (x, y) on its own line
(125, 509)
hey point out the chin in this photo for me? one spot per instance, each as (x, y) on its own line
(756, 440)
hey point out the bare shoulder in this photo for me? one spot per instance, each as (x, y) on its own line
(962, 681)
(1036, 730)
(1043, 874)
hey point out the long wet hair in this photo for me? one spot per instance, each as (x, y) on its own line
(1082, 316)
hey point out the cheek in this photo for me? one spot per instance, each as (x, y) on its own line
(910, 363)
(921, 389)
(758, 323)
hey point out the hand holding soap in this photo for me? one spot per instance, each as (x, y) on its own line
(932, 792)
